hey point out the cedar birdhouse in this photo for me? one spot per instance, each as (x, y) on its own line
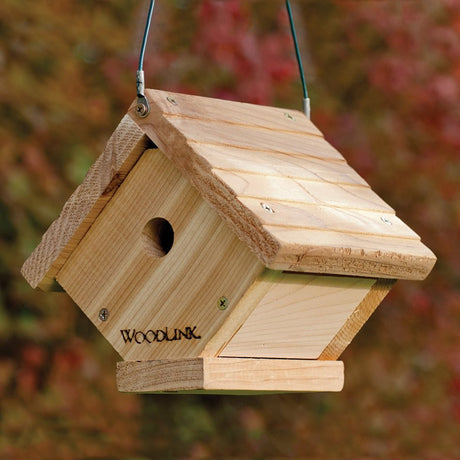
(223, 246)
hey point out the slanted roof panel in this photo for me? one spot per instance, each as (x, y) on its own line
(123, 149)
(318, 215)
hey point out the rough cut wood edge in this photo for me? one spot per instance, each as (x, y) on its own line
(275, 252)
(229, 375)
(123, 149)
(357, 319)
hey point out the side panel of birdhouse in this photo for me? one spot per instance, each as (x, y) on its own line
(159, 271)
(303, 315)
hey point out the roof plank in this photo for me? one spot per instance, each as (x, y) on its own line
(238, 113)
(322, 251)
(302, 191)
(253, 137)
(337, 219)
(278, 164)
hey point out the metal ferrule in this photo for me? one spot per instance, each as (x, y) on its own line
(143, 107)
(140, 83)
(306, 107)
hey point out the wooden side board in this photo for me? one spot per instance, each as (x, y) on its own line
(229, 375)
(357, 319)
(298, 317)
(123, 149)
(284, 190)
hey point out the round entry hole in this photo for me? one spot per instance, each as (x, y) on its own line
(157, 237)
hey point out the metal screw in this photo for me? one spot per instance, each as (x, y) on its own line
(288, 115)
(104, 314)
(223, 303)
(171, 100)
(267, 208)
(386, 221)
(142, 110)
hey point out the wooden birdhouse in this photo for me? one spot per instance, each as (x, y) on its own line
(223, 246)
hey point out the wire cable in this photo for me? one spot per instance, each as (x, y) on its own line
(306, 99)
(143, 108)
(146, 34)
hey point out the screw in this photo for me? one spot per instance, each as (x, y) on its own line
(104, 314)
(171, 100)
(267, 208)
(142, 110)
(223, 303)
(386, 221)
(288, 115)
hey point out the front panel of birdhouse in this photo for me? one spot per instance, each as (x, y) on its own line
(159, 271)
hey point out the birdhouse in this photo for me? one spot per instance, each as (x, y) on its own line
(225, 247)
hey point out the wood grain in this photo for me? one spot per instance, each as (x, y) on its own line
(232, 159)
(123, 149)
(237, 113)
(221, 375)
(298, 317)
(332, 252)
(199, 131)
(270, 163)
(251, 299)
(112, 269)
(357, 320)
(327, 217)
(283, 189)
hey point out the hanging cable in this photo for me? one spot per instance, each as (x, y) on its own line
(143, 108)
(306, 99)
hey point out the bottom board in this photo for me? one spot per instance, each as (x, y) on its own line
(229, 375)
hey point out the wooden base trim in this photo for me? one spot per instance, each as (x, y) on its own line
(229, 375)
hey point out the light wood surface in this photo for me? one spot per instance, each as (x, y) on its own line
(357, 319)
(238, 113)
(123, 149)
(298, 317)
(230, 375)
(354, 253)
(311, 216)
(252, 137)
(278, 164)
(251, 299)
(237, 159)
(111, 268)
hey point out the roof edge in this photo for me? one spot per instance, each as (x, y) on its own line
(123, 149)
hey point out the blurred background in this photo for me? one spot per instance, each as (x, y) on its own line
(384, 79)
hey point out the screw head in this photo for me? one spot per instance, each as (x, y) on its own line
(289, 116)
(104, 314)
(267, 207)
(141, 110)
(386, 221)
(171, 100)
(222, 303)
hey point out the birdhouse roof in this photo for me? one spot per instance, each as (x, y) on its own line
(268, 172)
